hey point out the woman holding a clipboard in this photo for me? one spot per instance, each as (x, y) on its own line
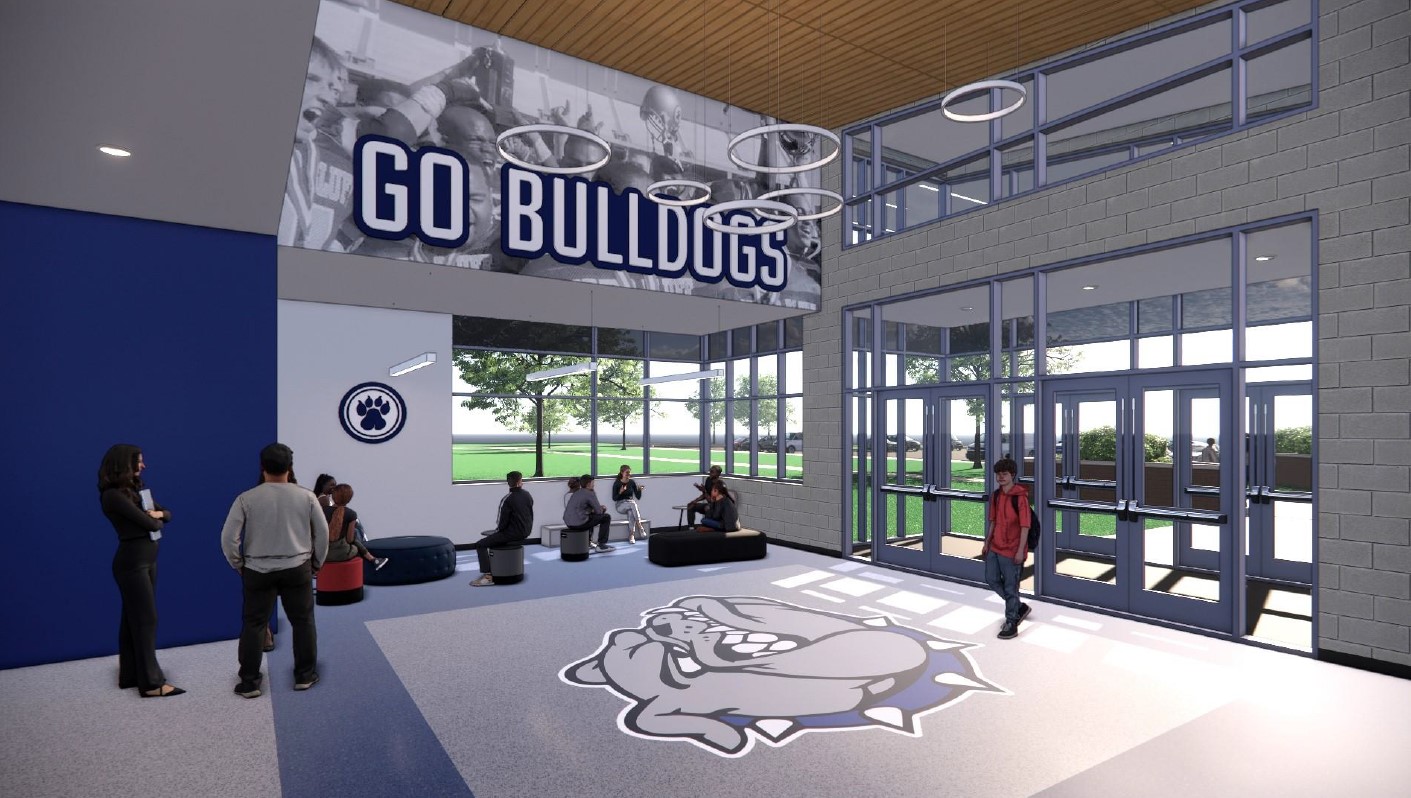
(138, 521)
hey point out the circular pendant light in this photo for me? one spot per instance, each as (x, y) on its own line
(553, 170)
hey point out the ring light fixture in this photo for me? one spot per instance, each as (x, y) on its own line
(810, 191)
(983, 85)
(790, 215)
(553, 170)
(764, 130)
(673, 201)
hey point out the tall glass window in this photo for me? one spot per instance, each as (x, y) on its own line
(1103, 108)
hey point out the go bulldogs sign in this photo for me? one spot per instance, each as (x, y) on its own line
(400, 192)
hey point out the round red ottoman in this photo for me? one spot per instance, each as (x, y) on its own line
(340, 583)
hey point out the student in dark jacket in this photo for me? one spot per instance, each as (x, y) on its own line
(516, 519)
(701, 502)
(584, 511)
(139, 527)
(721, 515)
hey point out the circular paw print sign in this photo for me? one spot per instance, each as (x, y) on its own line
(372, 412)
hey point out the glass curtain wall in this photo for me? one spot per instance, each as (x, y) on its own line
(1238, 303)
(1202, 77)
(593, 420)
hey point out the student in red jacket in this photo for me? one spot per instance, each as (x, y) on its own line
(1006, 545)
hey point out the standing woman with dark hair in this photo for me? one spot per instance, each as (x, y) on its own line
(138, 521)
(323, 489)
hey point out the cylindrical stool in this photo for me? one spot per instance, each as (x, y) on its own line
(573, 544)
(507, 564)
(340, 583)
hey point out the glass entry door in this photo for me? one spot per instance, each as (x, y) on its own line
(1280, 483)
(1137, 521)
(931, 495)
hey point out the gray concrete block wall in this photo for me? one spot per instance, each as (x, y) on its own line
(1348, 159)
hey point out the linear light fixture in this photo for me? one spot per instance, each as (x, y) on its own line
(563, 371)
(694, 375)
(408, 366)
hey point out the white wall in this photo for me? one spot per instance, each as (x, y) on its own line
(403, 486)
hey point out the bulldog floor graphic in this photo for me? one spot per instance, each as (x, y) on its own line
(721, 672)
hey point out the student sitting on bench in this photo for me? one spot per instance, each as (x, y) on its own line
(721, 515)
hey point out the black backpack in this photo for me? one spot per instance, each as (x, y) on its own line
(1034, 525)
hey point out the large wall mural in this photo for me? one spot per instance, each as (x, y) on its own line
(412, 84)
(722, 672)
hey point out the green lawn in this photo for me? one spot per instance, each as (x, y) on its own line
(480, 461)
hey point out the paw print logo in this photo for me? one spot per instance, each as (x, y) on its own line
(372, 412)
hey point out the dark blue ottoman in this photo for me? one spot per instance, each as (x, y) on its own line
(411, 559)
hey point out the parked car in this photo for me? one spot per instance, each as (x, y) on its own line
(912, 445)
(793, 444)
(769, 443)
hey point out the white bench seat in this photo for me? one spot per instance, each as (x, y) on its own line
(549, 533)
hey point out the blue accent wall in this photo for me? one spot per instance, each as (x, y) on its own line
(121, 330)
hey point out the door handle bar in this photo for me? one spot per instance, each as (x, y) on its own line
(1079, 504)
(1206, 516)
(931, 493)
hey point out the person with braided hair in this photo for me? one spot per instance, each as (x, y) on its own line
(343, 543)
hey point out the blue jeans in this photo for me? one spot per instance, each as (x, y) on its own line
(712, 523)
(1002, 575)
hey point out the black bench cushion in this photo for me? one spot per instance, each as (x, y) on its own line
(702, 548)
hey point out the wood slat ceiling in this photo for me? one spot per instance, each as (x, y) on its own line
(823, 62)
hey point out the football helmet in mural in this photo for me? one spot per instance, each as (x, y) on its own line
(661, 110)
(721, 672)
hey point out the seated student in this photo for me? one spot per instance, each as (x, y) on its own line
(323, 489)
(584, 511)
(572, 489)
(516, 520)
(625, 493)
(343, 543)
(701, 502)
(721, 515)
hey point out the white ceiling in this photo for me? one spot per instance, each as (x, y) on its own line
(199, 90)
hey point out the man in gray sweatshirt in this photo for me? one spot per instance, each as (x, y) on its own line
(276, 537)
(584, 511)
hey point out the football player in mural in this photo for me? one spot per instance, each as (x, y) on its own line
(468, 132)
(318, 196)
(722, 671)
(661, 111)
(481, 250)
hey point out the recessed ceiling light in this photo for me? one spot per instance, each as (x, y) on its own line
(1262, 258)
(116, 152)
(1090, 288)
(968, 307)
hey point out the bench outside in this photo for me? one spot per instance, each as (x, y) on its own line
(549, 533)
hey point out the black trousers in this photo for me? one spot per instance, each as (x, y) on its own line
(294, 587)
(692, 509)
(600, 520)
(482, 547)
(135, 571)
